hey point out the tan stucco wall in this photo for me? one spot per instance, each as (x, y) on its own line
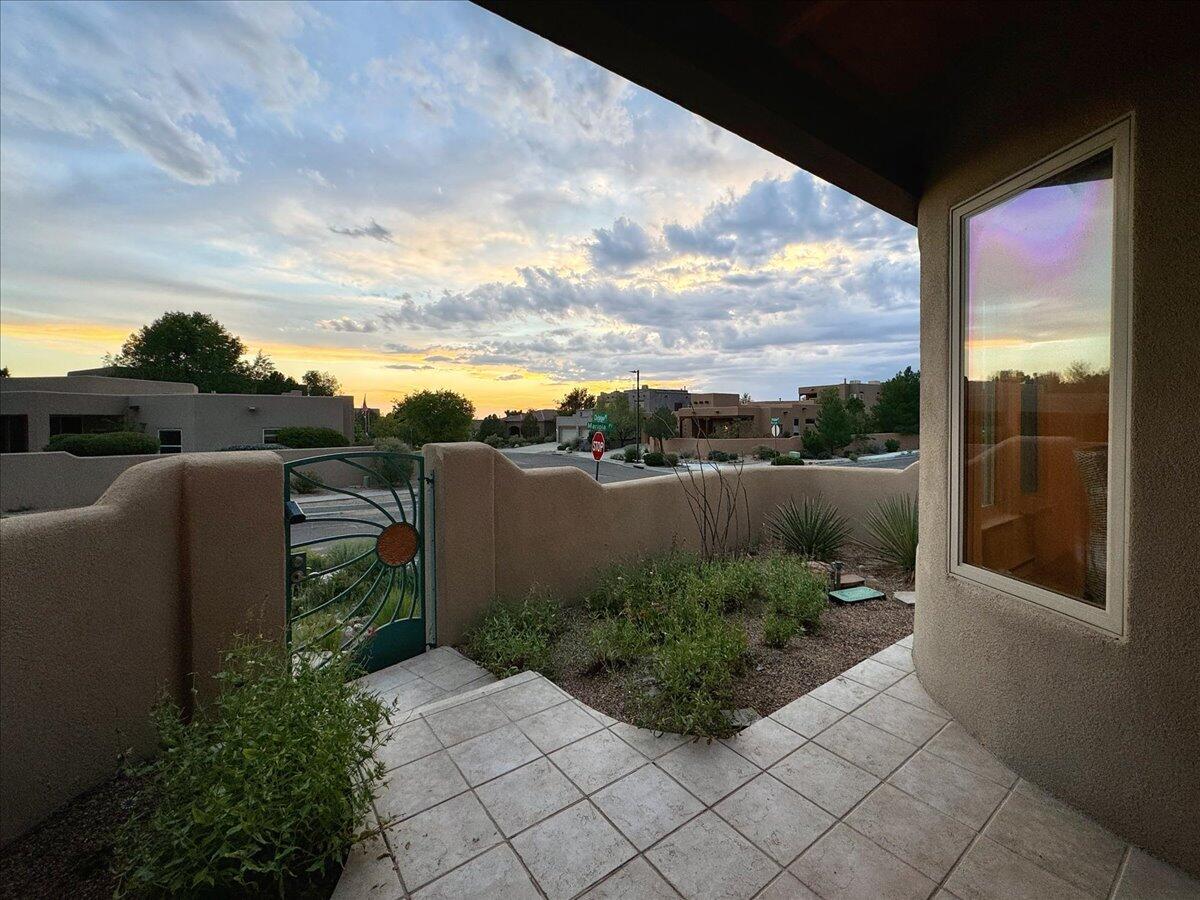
(702, 446)
(105, 609)
(502, 529)
(1110, 725)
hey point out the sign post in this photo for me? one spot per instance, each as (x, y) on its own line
(776, 428)
(598, 450)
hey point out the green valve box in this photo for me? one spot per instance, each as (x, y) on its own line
(855, 595)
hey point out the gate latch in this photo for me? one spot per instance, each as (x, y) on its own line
(295, 515)
(297, 567)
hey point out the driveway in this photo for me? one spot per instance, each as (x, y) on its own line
(609, 472)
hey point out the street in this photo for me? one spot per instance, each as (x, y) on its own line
(609, 472)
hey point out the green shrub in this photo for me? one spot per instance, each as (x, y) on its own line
(891, 445)
(787, 461)
(779, 630)
(792, 590)
(656, 459)
(512, 637)
(253, 447)
(262, 794)
(307, 436)
(393, 471)
(815, 529)
(893, 529)
(111, 443)
(307, 482)
(764, 452)
(618, 642)
(728, 584)
(630, 453)
(722, 456)
(813, 442)
(671, 459)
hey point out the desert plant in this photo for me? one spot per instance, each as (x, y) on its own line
(268, 446)
(765, 453)
(815, 529)
(307, 481)
(892, 526)
(631, 453)
(512, 637)
(110, 443)
(779, 630)
(891, 445)
(395, 469)
(262, 794)
(308, 436)
(618, 642)
(788, 460)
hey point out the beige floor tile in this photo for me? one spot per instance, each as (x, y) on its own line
(636, 880)
(455, 675)
(465, 721)
(710, 771)
(897, 657)
(962, 795)
(990, 872)
(866, 746)
(905, 642)
(874, 674)
(495, 874)
(558, 726)
(528, 698)
(412, 694)
(409, 741)
(904, 720)
(527, 795)
(369, 873)
(774, 817)
(786, 887)
(843, 693)
(646, 804)
(386, 679)
(651, 744)
(844, 865)
(924, 838)
(909, 689)
(417, 786)
(489, 755)
(597, 760)
(432, 843)
(1145, 876)
(764, 743)
(953, 743)
(432, 660)
(707, 860)
(827, 780)
(807, 716)
(572, 850)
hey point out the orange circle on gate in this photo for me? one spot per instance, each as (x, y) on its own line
(397, 544)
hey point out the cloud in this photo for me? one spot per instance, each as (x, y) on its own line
(514, 376)
(374, 230)
(345, 323)
(407, 367)
(315, 177)
(624, 245)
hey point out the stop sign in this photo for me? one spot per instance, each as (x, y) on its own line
(597, 446)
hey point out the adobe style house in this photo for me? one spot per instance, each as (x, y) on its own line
(723, 414)
(1049, 154)
(32, 410)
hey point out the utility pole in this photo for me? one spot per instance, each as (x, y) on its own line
(637, 373)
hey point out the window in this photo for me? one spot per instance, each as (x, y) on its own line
(170, 440)
(85, 424)
(1040, 305)
(269, 435)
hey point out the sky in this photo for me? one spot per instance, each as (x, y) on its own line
(416, 196)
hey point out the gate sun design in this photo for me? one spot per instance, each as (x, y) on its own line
(356, 557)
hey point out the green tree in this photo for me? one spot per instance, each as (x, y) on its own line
(577, 399)
(320, 384)
(529, 426)
(833, 421)
(4, 372)
(491, 426)
(746, 397)
(264, 378)
(661, 426)
(424, 417)
(859, 419)
(622, 420)
(189, 347)
(899, 404)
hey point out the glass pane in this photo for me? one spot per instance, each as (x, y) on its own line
(1036, 365)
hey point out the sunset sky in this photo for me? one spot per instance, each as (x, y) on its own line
(414, 196)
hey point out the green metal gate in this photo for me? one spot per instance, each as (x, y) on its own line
(358, 579)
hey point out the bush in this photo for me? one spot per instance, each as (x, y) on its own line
(618, 642)
(306, 436)
(813, 442)
(112, 443)
(815, 529)
(254, 447)
(512, 637)
(787, 461)
(792, 590)
(563, 446)
(631, 453)
(493, 440)
(393, 471)
(893, 529)
(262, 794)
(765, 453)
(722, 456)
(779, 630)
(656, 459)
(891, 445)
(671, 459)
(308, 482)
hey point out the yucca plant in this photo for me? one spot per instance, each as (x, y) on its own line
(893, 529)
(814, 529)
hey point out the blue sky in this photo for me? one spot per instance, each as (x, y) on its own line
(416, 195)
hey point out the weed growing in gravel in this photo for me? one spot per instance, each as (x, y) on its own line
(512, 637)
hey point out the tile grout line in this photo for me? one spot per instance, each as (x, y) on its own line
(978, 834)
(1120, 876)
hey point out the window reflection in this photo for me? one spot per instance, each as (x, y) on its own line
(1036, 361)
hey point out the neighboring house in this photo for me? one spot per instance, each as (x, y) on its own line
(32, 410)
(654, 399)
(713, 413)
(545, 419)
(570, 428)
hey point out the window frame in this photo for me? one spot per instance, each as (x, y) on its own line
(1111, 619)
(270, 440)
(162, 447)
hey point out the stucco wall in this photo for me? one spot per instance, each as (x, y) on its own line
(105, 609)
(1111, 725)
(702, 446)
(502, 529)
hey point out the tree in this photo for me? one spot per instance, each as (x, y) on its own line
(4, 372)
(189, 347)
(833, 422)
(857, 411)
(320, 384)
(529, 426)
(622, 421)
(491, 426)
(427, 416)
(899, 405)
(577, 399)
(746, 397)
(661, 426)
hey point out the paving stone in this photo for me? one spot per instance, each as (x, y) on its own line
(432, 843)
(904, 720)
(909, 690)
(1060, 840)
(990, 872)
(906, 642)
(369, 873)
(908, 598)
(465, 721)
(960, 794)
(955, 744)
(407, 742)
(489, 755)
(924, 838)
(866, 746)
(764, 743)
(897, 657)
(844, 865)
(558, 726)
(1145, 876)
(386, 679)
(597, 760)
(651, 744)
(807, 716)
(787, 887)
(528, 698)
(843, 693)
(527, 795)
(495, 874)
(419, 785)
(455, 675)
(874, 674)
(710, 771)
(572, 850)
(646, 804)
(706, 858)
(827, 780)
(636, 880)
(414, 693)
(432, 660)
(602, 718)
(774, 817)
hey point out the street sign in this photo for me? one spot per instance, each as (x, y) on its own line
(776, 430)
(599, 422)
(598, 445)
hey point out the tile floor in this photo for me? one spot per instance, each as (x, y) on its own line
(864, 788)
